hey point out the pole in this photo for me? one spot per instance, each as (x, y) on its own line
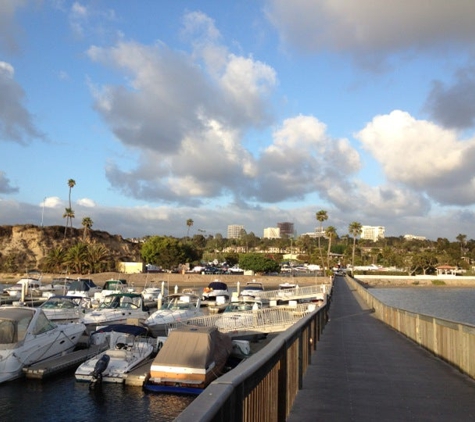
(43, 212)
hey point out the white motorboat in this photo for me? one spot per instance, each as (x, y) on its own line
(111, 287)
(83, 287)
(153, 292)
(29, 285)
(239, 314)
(117, 309)
(58, 286)
(27, 336)
(128, 347)
(215, 289)
(175, 308)
(62, 309)
(252, 288)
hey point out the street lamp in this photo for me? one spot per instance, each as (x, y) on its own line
(43, 212)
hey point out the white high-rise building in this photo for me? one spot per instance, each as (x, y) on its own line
(234, 231)
(373, 233)
(272, 233)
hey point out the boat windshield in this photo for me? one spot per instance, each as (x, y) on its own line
(176, 303)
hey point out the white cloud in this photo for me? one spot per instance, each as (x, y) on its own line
(86, 202)
(422, 156)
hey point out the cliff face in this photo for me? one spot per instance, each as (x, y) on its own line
(26, 246)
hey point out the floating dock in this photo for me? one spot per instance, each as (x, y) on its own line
(63, 363)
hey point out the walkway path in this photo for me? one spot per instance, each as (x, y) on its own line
(364, 370)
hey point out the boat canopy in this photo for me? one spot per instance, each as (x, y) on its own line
(217, 285)
(193, 347)
(135, 330)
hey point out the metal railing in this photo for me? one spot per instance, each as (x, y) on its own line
(266, 320)
(263, 387)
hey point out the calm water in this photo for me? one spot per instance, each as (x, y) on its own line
(454, 304)
(63, 399)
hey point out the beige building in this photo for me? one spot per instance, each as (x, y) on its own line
(234, 231)
(373, 233)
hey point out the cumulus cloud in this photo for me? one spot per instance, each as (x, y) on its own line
(453, 105)
(372, 28)
(16, 123)
(422, 156)
(5, 184)
(86, 202)
(303, 159)
(180, 111)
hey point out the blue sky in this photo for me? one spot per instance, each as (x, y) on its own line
(243, 112)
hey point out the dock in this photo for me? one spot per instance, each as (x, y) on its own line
(63, 363)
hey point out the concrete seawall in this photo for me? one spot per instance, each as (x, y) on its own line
(416, 281)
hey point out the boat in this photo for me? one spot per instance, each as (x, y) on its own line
(191, 358)
(153, 292)
(252, 288)
(117, 309)
(128, 348)
(112, 286)
(27, 336)
(215, 289)
(175, 308)
(83, 287)
(58, 286)
(62, 308)
(29, 285)
(239, 315)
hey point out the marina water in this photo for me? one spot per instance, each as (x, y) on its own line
(61, 398)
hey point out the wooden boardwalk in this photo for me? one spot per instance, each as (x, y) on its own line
(363, 370)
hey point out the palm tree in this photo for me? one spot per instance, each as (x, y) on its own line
(189, 223)
(321, 216)
(69, 215)
(55, 259)
(330, 233)
(87, 224)
(355, 230)
(97, 255)
(461, 238)
(76, 257)
(69, 210)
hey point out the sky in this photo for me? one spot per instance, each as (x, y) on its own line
(239, 112)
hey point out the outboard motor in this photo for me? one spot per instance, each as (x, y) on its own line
(99, 368)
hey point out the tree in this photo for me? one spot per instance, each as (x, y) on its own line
(54, 260)
(321, 216)
(462, 238)
(68, 215)
(87, 224)
(258, 263)
(163, 251)
(97, 255)
(355, 230)
(330, 233)
(69, 210)
(189, 223)
(76, 257)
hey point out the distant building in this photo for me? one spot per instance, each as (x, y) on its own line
(373, 233)
(234, 231)
(412, 237)
(286, 229)
(272, 233)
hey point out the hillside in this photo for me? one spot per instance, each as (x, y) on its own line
(25, 246)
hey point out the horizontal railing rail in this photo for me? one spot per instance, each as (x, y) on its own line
(264, 386)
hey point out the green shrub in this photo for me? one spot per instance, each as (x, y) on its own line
(438, 282)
